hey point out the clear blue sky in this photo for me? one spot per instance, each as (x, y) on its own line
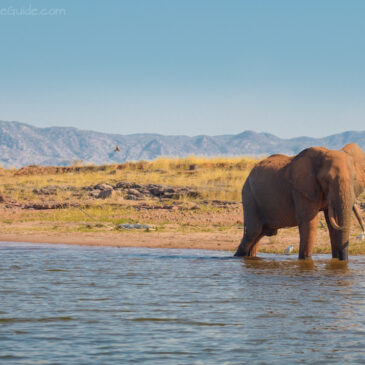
(185, 66)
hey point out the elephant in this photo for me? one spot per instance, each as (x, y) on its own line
(283, 191)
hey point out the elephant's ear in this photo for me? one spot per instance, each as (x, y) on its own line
(360, 179)
(359, 163)
(302, 174)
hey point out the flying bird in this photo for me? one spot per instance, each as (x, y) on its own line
(117, 149)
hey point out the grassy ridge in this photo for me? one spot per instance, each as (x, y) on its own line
(215, 178)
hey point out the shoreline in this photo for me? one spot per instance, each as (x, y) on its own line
(202, 241)
(214, 241)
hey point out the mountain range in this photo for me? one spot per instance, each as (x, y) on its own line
(22, 144)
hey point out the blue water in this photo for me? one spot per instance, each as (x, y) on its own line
(86, 305)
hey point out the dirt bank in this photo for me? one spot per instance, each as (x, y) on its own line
(227, 240)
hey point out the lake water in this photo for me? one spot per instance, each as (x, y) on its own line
(91, 305)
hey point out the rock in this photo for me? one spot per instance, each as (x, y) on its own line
(154, 190)
(127, 185)
(144, 191)
(130, 226)
(100, 186)
(94, 193)
(88, 188)
(101, 194)
(103, 186)
(105, 194)
(170, 192)
(134, 192)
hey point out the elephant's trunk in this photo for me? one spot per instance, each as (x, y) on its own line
(341, 202)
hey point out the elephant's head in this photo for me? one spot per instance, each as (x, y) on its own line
(334, 179)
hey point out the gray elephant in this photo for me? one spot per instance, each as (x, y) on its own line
(283, 191)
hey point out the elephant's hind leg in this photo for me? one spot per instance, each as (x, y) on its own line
(252, 225)
(253, 250)
(248, 245)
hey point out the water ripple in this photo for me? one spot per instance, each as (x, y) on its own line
(88, 305)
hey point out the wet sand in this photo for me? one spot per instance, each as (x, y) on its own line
(208, 241)
(227, 241)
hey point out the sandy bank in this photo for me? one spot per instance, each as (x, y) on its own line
(198, 240)
(203, 240)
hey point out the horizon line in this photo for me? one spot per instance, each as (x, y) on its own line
(182, 135)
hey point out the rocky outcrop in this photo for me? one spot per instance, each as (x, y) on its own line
(105, 194)
(133, 191)
(127, 190)
(100, 191)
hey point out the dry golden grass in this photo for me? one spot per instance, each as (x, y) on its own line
(216, 178)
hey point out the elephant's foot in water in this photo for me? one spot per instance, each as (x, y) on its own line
(248, 248)
(245, 252)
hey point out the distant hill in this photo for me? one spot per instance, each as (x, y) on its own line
(22, 144)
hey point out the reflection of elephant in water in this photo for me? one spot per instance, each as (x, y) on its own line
(284, 191)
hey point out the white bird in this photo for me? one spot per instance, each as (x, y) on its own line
(361, 236)
(289, 249)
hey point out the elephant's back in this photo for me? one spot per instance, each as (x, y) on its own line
(268, 173)
(267, 187)
(270, 167)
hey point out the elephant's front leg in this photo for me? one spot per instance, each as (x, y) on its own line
(307, 231)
